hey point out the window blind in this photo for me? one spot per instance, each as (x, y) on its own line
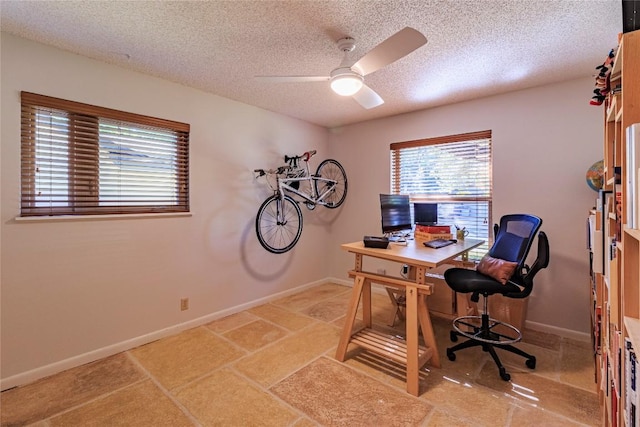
(79, 159)
(454, 171)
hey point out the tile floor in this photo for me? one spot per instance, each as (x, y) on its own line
(274, 365)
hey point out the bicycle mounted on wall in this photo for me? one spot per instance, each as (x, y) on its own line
(279, 219)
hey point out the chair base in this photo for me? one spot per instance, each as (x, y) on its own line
(485, 333)
(489, 340)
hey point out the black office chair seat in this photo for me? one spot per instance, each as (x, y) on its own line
(513, 239)
(470, 281)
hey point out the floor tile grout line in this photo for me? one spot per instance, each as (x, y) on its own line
(385, 382)
(267, 390)
(95, 399)
(473, 382)
(228, 341)
(519, 401)
(323, 354)
(556, 369)
(164, 390)
(330, 295)
(276, 342)
(288, 334)
(236, 326)
(295, 312)
(231, 363)
(258, 318)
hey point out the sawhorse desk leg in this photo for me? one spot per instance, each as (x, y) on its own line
(361, 286)
(413, 377)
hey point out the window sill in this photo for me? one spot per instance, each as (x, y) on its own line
(60, 218)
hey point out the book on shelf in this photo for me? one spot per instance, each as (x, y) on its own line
(614, 407)
(633, 176)
(597, 327)
(618, 202)
(631, 385)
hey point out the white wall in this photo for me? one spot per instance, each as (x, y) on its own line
(79, 289)
(544, 139)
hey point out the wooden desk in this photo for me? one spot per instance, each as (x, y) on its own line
(416, 256)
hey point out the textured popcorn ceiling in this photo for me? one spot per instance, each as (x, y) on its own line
(474, 49)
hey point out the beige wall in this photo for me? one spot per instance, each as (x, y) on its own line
(544, 139)
(75, 287)
(77, 290)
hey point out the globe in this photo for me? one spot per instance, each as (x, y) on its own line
(595, 175)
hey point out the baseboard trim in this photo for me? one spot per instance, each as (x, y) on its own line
(81, 359)
(565, 333)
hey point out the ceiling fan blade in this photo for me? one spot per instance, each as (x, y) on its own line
(293, 79)
(395, 47)
(368, 98)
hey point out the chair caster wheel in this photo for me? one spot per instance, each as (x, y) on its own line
(504, 375)
(531, 363)
(453, 336)
(451, 355)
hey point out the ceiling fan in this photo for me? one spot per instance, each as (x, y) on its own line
(348, 78)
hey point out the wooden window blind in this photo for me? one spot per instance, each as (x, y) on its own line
(79, 159)
(454, 171)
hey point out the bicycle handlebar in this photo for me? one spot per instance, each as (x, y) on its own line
(292, 164)
(304, 156)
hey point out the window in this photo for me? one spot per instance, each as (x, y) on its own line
(78, 159)
(453, 171)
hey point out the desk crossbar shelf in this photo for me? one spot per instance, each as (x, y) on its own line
(390, 346)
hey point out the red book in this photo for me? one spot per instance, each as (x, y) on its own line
(434, 229)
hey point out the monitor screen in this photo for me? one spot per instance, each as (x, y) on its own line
(425, 213)
(396, 212)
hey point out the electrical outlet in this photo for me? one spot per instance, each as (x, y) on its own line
(382, 271)
(184, 304)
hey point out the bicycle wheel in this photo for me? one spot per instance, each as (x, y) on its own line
(279, 224)
(331, 169)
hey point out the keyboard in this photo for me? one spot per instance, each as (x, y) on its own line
(438, 243)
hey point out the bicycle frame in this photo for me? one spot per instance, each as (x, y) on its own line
(313, 197)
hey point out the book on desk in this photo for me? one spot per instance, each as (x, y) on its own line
(439, 243)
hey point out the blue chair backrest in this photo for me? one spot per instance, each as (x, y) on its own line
(514, 237)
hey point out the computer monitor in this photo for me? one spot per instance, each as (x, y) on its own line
(396, 212)
(425, 213)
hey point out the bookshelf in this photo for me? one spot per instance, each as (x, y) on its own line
(615, 285)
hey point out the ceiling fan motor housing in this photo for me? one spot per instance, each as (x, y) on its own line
(345, 81)
(344, 72)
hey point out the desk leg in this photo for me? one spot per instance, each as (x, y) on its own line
(425, 320)
(366, 303)
(413, 386)
(427, 330)
(347, 329)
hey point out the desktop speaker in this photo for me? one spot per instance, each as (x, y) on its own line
(375, 242)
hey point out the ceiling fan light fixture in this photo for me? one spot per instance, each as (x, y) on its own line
(346, 82)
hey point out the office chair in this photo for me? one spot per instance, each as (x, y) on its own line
(501, 271)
